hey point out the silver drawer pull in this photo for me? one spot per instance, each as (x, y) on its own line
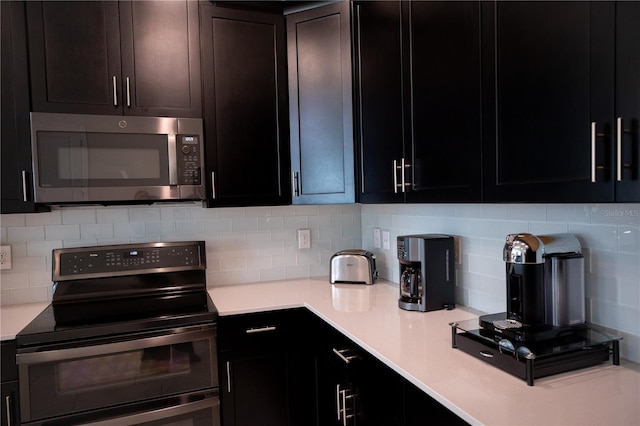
(486, 354)
(260, 329)
(342, 354)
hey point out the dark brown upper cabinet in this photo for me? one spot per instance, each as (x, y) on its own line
(245, 107)
(108, 57)
(16, 168)
(627, 109)
(321, 105)
(418, 101)
(557, 77)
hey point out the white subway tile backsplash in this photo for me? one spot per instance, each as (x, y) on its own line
(252, 244)
(25, 234)
(62, 232)
(112, 215)
(53, 217)
(78, 217)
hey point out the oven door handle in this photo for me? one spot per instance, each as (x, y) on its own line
(207, 332)
(162, 413)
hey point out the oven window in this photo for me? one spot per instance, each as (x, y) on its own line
(77, 385)
(129, 367)
(80, 159)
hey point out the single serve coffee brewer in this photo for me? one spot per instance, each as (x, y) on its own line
(545, 287)
(427, 274)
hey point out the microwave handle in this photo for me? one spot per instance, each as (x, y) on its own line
(173, 160)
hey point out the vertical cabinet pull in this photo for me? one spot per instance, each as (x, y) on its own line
(620, 131)
(24, 186)
(115, 91)
(295, 184)
(619, 149)
(213, 185)
(402, 167)
(594, 163)
(128, 92)
(7, 403)
(228, 366)
(344, 412)
(395, 176)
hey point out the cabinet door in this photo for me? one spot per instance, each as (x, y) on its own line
(161, 58)
(245, 107)
(10, 408)
(381, 127)
(548, 77)
(254, 388)
(9, 370)
(444, 150)
(74, 50)
(628, 100)
(266, 370)
(320, 105)
(16, 145)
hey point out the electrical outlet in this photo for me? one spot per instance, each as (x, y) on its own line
(385, 240)
(304, 238)
(376, 237)
(5, 257)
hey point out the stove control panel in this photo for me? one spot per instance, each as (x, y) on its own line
(127, 259)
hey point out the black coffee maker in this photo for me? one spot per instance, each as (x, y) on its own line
(545, 287)
(427, 274)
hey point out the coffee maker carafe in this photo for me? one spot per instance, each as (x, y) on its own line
(427, 276)
(545, 285)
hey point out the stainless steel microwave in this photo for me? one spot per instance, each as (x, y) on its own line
(80, 158)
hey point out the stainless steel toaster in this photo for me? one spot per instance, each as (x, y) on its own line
(353, 266)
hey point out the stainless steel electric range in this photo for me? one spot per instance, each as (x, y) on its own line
(129, 338)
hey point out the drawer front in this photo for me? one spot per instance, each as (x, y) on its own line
(251, 330)
(9, 369)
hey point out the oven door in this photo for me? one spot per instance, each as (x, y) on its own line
(67, 379)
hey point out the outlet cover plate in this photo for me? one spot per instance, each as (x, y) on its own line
(5, 257)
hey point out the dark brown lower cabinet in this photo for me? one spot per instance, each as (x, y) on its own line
(265, 370)
(289, 367)
(9, 409)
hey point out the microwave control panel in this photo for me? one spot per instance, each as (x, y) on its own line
(189, 159)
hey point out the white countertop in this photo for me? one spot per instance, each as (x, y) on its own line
(418, 346)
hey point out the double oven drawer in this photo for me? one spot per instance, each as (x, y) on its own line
(162, 372)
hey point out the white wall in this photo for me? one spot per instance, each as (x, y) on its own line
(259, 244)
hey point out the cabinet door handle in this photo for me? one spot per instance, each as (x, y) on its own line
(619, 149)
(342, 355)
(402, 175)
(228, 366)
(260, 329)
(620, 131)
(594, 165)
(115, 91)
(128, 92)
(7, 403)
(295, 184)
(24, 186)
(213, 185)
(395, 176)
(338, 400)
